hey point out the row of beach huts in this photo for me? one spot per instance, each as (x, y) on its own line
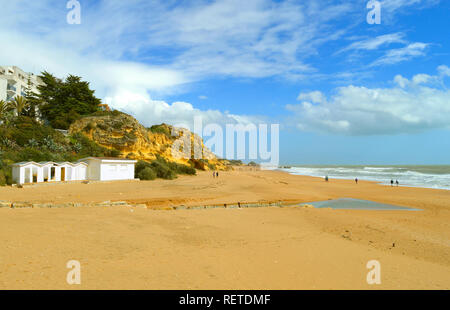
(86, 169)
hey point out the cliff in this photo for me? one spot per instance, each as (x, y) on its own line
(122, 132)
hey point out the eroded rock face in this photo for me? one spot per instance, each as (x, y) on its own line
(124, 133)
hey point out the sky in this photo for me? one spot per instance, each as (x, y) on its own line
(344, 91)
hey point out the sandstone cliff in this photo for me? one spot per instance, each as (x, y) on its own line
(122, 132)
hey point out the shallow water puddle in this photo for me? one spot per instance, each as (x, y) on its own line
(356, 204)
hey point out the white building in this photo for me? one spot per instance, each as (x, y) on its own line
(91, 168)
(109, 169)
(14, 82)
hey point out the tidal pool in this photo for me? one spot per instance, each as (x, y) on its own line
(356, 204)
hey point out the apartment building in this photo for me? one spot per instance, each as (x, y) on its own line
(14, 82)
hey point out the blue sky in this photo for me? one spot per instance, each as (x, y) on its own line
(343, 91)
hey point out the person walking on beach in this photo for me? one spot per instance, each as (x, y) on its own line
(214, 174)
(397, 183)
(326, 179)
(392, 182)
(217, 174)
(356, 180)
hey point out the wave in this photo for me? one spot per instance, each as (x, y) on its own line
(417, 176)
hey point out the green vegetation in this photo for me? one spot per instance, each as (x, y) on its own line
(3, 180)
(62, 102)
(235, 162)
(147, 174)
(113, 113)
(6, 112)
(163, 129)
(160, 168)
(20, 105)
(25, 139)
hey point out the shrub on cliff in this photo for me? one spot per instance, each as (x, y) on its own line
(175, 167)
(186, 170)
(182, 169)
(86, 148)
(140, 165)
(5, 170)
(163, 129)
(23, 129)
(147, 174)
(163, 169)
(2, 178)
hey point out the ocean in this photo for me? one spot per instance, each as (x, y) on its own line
(416, 176)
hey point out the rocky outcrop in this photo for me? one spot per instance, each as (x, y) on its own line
(122, 132)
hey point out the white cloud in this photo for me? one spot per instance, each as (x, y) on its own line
(444, 70)
(150, 112)
(401, 81)
(421, 79)
(314, 96)
(416, 80)
(202, 97)
(356, 110)
(375, 43)
(196, 39)
(394, 56)
(394, 5)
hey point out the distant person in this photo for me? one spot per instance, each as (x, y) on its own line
(392, 182)
(356, 180)
(397, 183)
(214, 174)
(217, 174)
(326, 179)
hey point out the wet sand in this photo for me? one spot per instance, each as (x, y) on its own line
(258, 248)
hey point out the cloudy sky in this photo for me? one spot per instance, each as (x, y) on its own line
(344, 91)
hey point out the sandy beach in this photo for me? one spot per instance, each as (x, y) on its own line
(255, 248)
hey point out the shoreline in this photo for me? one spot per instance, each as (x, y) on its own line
(369, 180)
(364, 178)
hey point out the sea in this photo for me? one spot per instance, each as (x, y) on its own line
(413, 176)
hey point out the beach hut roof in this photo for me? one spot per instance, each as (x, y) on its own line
(25, 163)
(45, 163)
(108, 159)
(66, 163)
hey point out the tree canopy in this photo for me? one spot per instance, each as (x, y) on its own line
(61, 102)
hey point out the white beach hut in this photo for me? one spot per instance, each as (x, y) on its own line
(109, 169)
(67, 171)
(27, 172)
(64, 171)
(48, 171)
(79, 171)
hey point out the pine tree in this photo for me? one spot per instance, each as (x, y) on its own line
(63, 102)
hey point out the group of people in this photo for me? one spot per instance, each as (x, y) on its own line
(396, 182)
(215, 174)
(356, 181)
